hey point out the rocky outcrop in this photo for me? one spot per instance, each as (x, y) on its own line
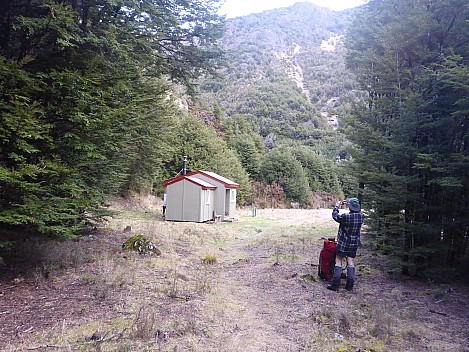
(331, 43)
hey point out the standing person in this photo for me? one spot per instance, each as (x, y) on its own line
(348, 240)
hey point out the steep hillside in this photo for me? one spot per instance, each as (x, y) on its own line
(287, 73)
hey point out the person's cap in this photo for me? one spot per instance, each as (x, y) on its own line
(353, 204)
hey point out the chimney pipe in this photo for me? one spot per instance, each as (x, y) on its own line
(184, 165)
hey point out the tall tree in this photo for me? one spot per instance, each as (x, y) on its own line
(241, 135)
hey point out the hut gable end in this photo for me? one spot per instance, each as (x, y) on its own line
(197, 181)
(200, 196)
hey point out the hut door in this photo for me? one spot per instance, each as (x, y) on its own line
(227, 202)
(206, 205)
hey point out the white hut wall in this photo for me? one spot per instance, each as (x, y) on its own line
(193, 198)
(184, 202)
(174, 201)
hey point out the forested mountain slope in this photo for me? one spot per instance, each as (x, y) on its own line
(279, 100)
(287, 73)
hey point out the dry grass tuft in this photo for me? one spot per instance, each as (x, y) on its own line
(144, 326)
(209, 259)
(383, 322)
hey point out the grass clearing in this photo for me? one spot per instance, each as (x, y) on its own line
(248, 285)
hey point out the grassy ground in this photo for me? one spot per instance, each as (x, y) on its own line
(248, 285)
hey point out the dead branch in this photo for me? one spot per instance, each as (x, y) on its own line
(118, 335)
(440, 313)
(44, 346)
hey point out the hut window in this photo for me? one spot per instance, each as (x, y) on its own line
(233, 195)
(207, 197)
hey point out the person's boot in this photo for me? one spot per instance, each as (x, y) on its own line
(334, 285)
(350, 278)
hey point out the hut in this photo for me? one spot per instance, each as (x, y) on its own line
(189, 198)
(200, 196)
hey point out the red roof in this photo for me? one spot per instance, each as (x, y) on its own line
(203, 184)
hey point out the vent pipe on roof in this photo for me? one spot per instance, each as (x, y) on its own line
(184, 165)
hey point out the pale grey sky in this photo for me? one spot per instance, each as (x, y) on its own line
(234, 8)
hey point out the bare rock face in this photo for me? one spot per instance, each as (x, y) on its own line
(293, 68)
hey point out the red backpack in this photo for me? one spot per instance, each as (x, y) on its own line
(327, 259)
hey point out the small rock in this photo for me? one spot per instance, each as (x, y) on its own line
(97, 336)
(161, 335)
(338, 337)
(128, 229)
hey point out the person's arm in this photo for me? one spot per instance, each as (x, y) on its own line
(335, 213)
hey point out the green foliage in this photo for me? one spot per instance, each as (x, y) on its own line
(150, 135)
(83, 109)
(282, 167)
(271, 55)
(6, 245)
(248, 154)
(321, 173)
(206, 151)
(279, 107)
(241, 136)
